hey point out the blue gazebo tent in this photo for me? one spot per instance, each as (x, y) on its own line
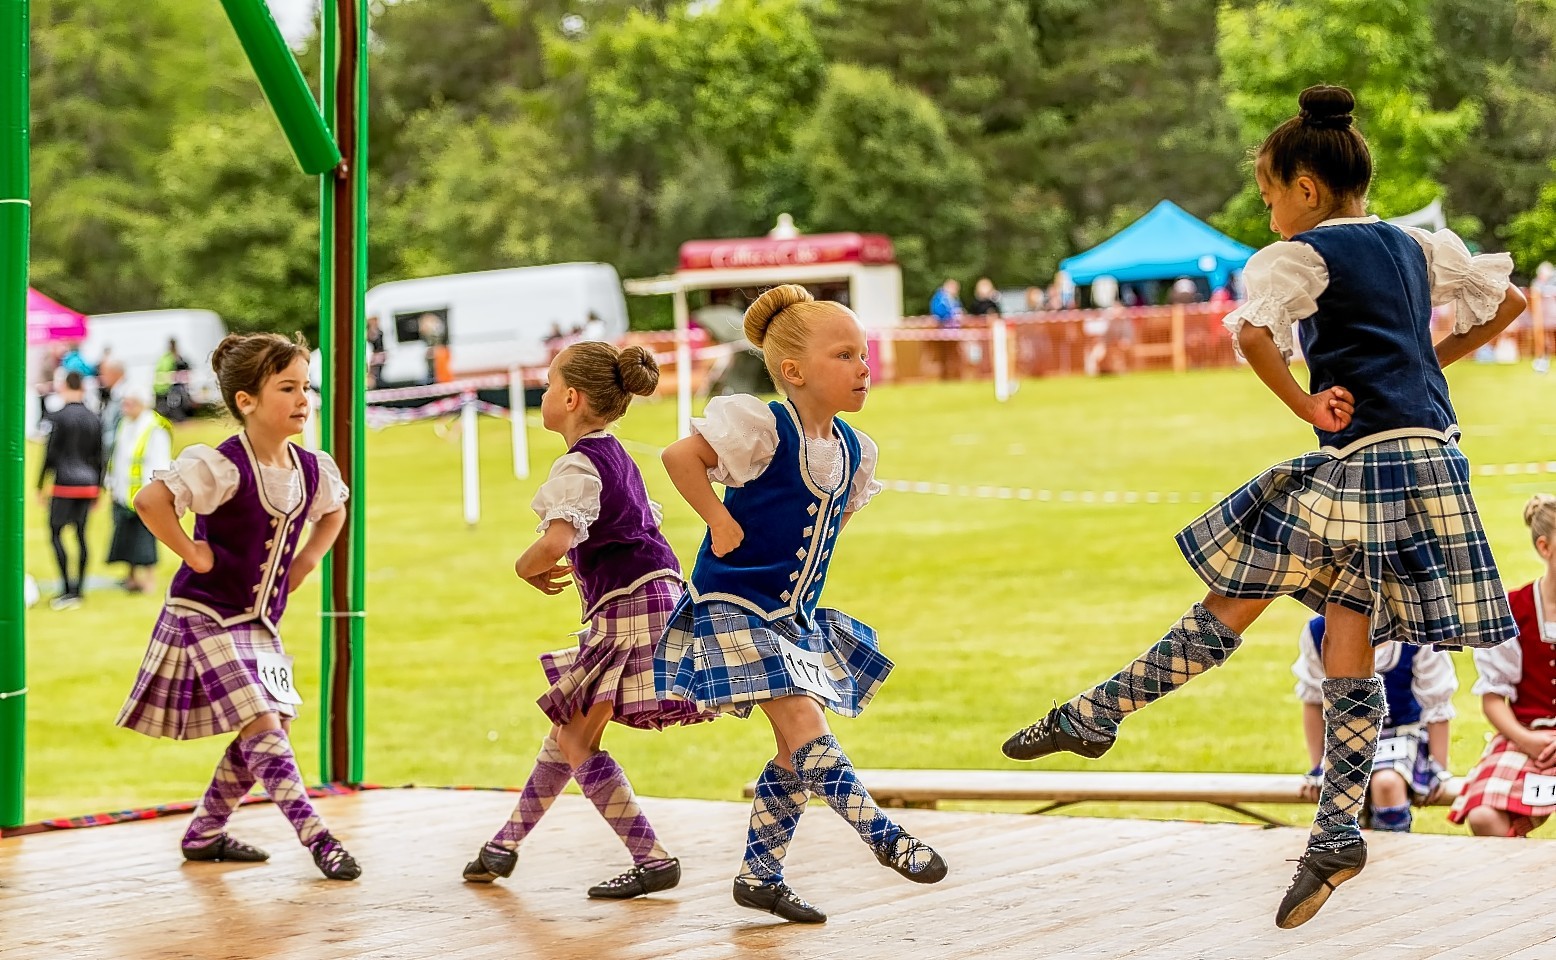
(1165, 244)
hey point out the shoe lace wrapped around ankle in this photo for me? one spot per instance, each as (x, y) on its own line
(1037, 733)
(910, 853)
(331, 856)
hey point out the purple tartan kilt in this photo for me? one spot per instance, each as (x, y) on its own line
(614, 663)
(199, 679)
(1390, 531)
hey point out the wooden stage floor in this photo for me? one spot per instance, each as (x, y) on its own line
(1020, 887)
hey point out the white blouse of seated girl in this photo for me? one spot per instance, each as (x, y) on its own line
(1285, 279)
(743, 431)
(202, 479)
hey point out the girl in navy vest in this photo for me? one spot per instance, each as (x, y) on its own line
(749, 632)
(1377, 529)
(1411, 763)
(1517, 687)
(216, 664)
(595, 511)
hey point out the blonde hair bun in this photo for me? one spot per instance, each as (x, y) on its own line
(759, 316)
(638, 371)
(1540, 516)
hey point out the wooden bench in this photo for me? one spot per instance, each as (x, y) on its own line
(1056, 788)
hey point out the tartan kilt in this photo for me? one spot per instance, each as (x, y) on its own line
(1497, 781)
(614, 663)
(1390, 531)
(1415, 766)
(200, 679)
(726, 658)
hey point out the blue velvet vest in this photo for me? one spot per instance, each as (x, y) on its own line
(790, 525)
(1372, 332)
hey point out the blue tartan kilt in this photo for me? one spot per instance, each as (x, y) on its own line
(1390, 531)
(726, 658)
(1415, 765)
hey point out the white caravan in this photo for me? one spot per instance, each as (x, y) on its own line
(139, 339)
(494, 319)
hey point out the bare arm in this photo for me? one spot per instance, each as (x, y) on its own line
(1437, 742)
(540, 566)
(154, 506)
(1328, 410)
(1538, 745)
(688, 461)
(1460, 345)
(320, 539)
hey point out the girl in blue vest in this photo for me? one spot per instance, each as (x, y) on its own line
(594, 511)
(749, 632)
(1376, 530)
(1411, 763)
(216, 665)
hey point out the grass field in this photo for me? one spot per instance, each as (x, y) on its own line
(990, 607)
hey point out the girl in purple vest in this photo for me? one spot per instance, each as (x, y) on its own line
(1377, 530)
(216, 664)
(594, 510)
(749, 633)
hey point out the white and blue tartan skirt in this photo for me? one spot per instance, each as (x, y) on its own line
(727, 659)
(1390, 531)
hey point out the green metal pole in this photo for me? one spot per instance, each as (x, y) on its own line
(281, 80)
(327, 56)
(15, 222)
(358, 516)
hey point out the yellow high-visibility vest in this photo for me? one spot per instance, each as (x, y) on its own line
(138, 455)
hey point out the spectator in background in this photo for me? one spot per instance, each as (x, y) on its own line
(375, 353)
(594, 329)
(946, 307)
(986, 299)
(142, 446)
(1036, 300)
(74, 362)
(1185, 290)
(74, 458)
(110, 395)
(171, 383)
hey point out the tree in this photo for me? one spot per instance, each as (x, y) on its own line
(877, 155)
(1384, 51)
(1504, 54)
(235, 228)
(494, 191)
(110, 82)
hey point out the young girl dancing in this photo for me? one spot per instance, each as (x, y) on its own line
(749, 633)
(1376, 530)
(594, 509)
(216, 664)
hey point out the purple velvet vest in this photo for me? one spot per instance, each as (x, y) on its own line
(625, 548)
(253, 543)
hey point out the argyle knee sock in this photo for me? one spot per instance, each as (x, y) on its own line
(605, 784)
(269, 757)
(1353, 709)
(1195, 643)
(775, 813)
(824, 768)
(229, 785)
(546, 783)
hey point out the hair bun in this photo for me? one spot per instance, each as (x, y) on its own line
(759, 316)
(1327, 107)
(1537, 504)
(637, 370)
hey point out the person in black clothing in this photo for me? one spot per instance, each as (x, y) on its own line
(75, 458)
(986, 299)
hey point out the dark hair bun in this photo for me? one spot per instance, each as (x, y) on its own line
(637, 370)
(1326, 107)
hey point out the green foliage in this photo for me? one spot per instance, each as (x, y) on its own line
(1532, 235)
(1384, 51)
(236, 229)
(989, 137)
(877, 155)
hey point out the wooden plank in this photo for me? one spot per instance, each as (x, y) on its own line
(1019, 887)
(1066, 786)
